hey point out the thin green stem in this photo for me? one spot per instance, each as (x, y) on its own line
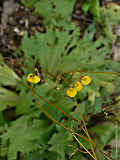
(86, 131)
(83, 146)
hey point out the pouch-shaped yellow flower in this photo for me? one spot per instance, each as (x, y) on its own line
(86, 80)
(32, 78)
(71, 92)
(78, 86)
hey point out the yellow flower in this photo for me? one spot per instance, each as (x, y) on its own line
(71, 92)
(33, 78)
(78, 86)
(86, 80)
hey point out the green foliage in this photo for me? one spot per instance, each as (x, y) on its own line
(93, 6)
(56, 61)
(62, 58)
(52, 45)
(56, 50)
(24, 135)
(41, 156)
(7, 78)
(55, 45)
(7, 98)
(28, 3)
(59, 142)
(7, 75)
(52, 10)
(110, 18)
(106, 133)
(60, 100)
(105, 15)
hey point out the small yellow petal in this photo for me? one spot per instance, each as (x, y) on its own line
(71, 92)
(86, 80)
(78, 86)
(36, 79)
(33, 78)
(30, 77)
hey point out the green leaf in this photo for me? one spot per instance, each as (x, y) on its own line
(54, 10)
(7, 75)
(54, 99)
(7, 98)
(25, 136)
(49, 48)
(41, 156)
(97, 105)
(28, 3)
(86, 6)
(2, 121)
(44, 8)
(110, 19)
(104, 132)
(93, 6)
(64, 8)
(59, 142)
(24, 103)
